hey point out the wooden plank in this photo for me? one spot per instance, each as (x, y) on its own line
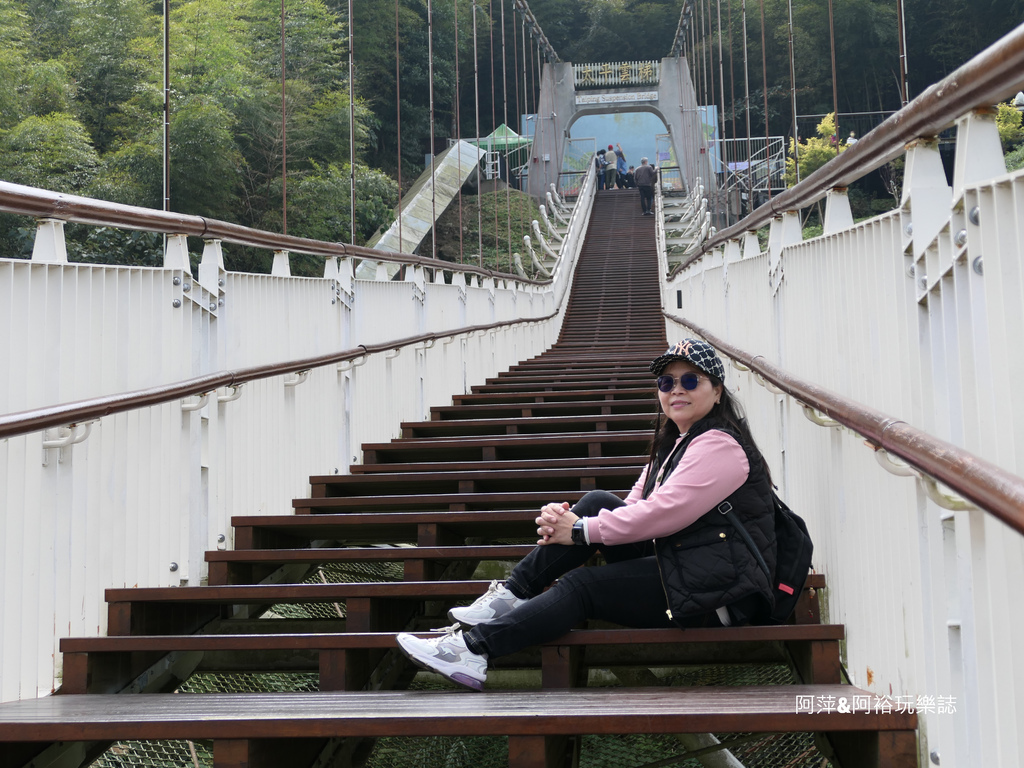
(105, 664)
(721, 709)
(297, 593)
(575, 637)
(265, 753)
(494, 476)
(370, 554)
(485, 501)
(572, 463)
(355, 527)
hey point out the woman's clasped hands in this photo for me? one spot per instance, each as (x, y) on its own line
(554, 524)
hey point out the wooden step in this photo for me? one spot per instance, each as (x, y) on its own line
(459, 413)
(528, 425)
(422, 528)
(492, 480)
(581, 463)
(251, 566)
(542, 379)
(369, 607)
(106, 664)
(555, 445)
(633, 385)
(588, 393)
(446, 501)
(252, 723)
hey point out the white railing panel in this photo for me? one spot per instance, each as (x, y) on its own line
(445, 306)
(159, 485)
(921, 331)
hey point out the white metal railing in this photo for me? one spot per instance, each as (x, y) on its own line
(137, 497)
(917, 314)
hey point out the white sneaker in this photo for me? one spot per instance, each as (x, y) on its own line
(495, 602)
(448, 656)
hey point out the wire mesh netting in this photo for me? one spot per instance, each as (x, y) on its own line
(791, 750)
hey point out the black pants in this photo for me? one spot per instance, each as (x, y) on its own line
(646, 199)
(627, 591)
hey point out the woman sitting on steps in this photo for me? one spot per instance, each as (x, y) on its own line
(672, 558)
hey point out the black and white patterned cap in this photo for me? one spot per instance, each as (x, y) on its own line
(695, 352)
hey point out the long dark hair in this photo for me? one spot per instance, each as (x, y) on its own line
(726, 414)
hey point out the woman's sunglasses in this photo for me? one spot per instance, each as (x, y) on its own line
(687, 381)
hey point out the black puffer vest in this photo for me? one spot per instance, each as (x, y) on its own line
(707, 565)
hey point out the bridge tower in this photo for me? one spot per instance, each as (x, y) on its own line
(664, 88)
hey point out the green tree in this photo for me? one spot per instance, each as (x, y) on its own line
(322, 131)
(204, 174)
(51, 151)
(14, 35)
(132, 175)
(319, 203)
(101, 55)
(1008, 121)
(812, 153)
(48, 88)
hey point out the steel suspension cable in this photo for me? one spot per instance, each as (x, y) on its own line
(538, 84)
(479, 174)
(519, 113)
(792, 91)
(494, 125)
(835, 91)
(746, 86)
(398, 121)
(721, 98)
(508, 171)
(458, 123)
(901, 31)
(351, 127)
(430, 98)
(732, 72)
(709, 37)
(709, 74)
(764, 88)
(284, 134)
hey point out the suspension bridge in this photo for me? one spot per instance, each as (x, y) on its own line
(242, 486)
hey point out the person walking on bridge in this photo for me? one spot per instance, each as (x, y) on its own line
(601, 164)
(612, 169)
(671, 559)
(645, 177)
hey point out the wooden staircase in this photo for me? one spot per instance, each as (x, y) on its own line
(411, 530)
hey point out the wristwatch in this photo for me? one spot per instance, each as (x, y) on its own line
(579, 535)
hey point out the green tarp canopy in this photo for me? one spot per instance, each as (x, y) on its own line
(503, 138)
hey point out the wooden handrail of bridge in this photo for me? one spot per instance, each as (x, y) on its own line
(994, 74)
(37, 419)
(990, 487)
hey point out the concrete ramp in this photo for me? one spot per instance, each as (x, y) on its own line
(428, 198)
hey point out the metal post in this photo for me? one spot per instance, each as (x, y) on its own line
(430, 98)
(352, 127)
(792, 91)
(167, 107)
(479, 176)
(284, 135)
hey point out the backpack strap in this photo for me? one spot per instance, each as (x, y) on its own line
(726, 510)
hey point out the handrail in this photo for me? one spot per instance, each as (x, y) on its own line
(38, 419)
(991, 488)
(44, 204)
(992, 75)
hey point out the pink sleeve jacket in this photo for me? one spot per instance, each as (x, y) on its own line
(713, 467)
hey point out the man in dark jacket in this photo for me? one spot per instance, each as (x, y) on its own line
(645, 177)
